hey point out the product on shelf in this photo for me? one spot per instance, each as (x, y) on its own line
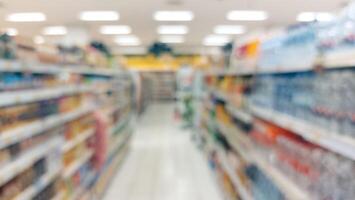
(325, 99)
(325, 175)
(18, 115)
(10, 81)
(14, 150)
(48, 192)
(261, 186)
(25, 179)
(77, 127)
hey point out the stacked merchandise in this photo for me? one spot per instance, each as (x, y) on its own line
(285, 130)
(163, 84)
(51, 138)
(144, 92)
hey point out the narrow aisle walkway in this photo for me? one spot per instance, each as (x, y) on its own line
(163, 164)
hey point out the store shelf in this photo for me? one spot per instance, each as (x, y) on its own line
(18, 134)
(27, 96)
(25, 160)
(77, 193)
(72, 168)
(59, 196)
(243, 192)
(94, 71)
(242, 115)
(122, 122)
(230, 72)
(119, 141)
(332, 141)
(38, 186)
(245, 147)
(82, 190)
(107, 174)
(77, 140)
(17, 66)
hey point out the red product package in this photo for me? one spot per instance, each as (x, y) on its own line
(101, 143)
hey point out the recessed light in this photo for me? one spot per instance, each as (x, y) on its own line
(128, 40)
(247, 15)
(315, 16)
(173, 29)
(216, 40)
(229, 29)
(11, 31)
(26, 17)
(172, 39)
(99, 16)
(173, 16)
(38, 39)
(55, 30)
(115, 30)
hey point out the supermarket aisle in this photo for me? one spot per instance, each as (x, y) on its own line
(163, 164)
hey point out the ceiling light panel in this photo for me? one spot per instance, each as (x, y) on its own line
(229, 29)
(172, 39)
(115, 30)
(99, 16)
(216, 40)
(55, 30)
(315, 16)
(173, 29)
(26, 17)
(128, 40)
(247, 15)
(173, 16)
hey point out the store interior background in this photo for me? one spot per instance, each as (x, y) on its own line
(177, 99)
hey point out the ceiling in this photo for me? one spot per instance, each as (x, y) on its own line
(139, 15)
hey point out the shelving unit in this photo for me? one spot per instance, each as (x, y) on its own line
(52, 137)
(248, 114)
(245, 147)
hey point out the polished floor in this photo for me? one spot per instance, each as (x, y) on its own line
(164, 164)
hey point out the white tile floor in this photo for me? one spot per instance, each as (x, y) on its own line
(164, 164)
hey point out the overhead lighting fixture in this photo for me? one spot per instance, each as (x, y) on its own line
(173, 29)
(26, 17)
(315, 16)
(173, 16)
(216, 40)
(115, 30)
(247, 15)
(38, 40)
(99, 16)
(174, 39)
(229, 29)
(128, 40)
(11, 31)
(55, 30)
